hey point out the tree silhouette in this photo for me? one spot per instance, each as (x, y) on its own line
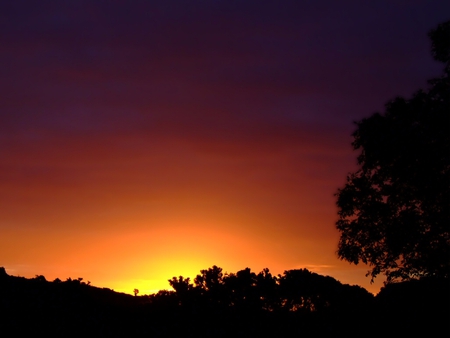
(394, 210)
(241, 304)
(241, 289)
(181, 285)
(267, 290)
(209, 279)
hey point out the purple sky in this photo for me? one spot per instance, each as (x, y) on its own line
(246, 107)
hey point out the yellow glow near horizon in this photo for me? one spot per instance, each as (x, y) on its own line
(146, 259)
(144, 253)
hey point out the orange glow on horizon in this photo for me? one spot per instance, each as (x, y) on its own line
(147, 259)
(127, 221)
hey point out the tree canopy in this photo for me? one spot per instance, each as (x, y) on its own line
(394, 210)
(294, 291)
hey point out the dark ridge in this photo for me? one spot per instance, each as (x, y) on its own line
(217, 304)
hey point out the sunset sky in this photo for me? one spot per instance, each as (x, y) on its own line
(142, 140)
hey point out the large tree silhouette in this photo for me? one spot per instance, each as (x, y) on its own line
(394, 210)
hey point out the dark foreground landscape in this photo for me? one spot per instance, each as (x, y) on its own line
(298, 303)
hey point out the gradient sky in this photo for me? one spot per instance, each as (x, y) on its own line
(142, 140)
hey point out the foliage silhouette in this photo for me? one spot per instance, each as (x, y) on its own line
(415, 307)
(210, 279)
(296, 303)
(394, 210)
(295, 290)
(440, 39)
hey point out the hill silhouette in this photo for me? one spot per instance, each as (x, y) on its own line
(217, 304)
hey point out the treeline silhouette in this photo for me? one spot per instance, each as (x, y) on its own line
(218, 304)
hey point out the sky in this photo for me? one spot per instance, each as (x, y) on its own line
(141, 140)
